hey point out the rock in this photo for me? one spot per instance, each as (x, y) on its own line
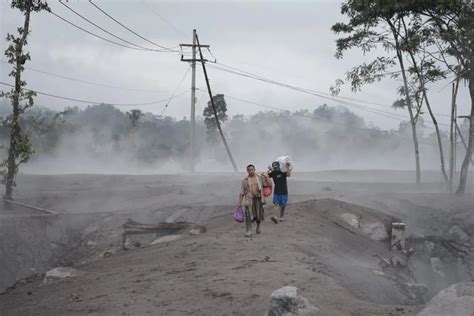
(166, 239)
(429, 246)
(286, 302)
(109, 252)
(437, 266)
(375, 231)
(91, 244)
(399, 260)
(130, 243)
(60, 273)
(196, 231)
(351, 219)
(456, 233)
(419, 289)
(456, 300)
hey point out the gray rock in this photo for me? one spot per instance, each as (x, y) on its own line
(456, 300)
(419, 289)
(60, 273)
(166, 239)
(286, 302)
(375, 231)
(456, 233)
(437, 266)
(351, 219)
(91, 244)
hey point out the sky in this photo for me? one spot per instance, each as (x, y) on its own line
(286, 41)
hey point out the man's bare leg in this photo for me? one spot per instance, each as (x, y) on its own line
(282, 213)
(248, 223)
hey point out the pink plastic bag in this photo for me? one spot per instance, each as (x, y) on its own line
(239, 215)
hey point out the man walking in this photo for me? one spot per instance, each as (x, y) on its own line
(251, 196)
(280, 193)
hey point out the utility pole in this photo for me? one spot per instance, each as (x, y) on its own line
(214, 108)
(192, 134)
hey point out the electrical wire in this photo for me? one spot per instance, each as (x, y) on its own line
(307, 91)
(85, 81)
(163, 19)
(95, 35)
(317, 93)
(128, 29)
(174, 93)
(102, 29)
(88, 101)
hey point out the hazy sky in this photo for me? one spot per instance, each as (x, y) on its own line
(287, 41)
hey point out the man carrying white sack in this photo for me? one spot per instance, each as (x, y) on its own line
(279, 171)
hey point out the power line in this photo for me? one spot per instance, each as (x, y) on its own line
(163, 19)
(88, 101)
(95, 35)
(130, 30)
(174, 93)
(291, 87)
(200, 98)
(86, 82)
(102, 29)
(309, 91)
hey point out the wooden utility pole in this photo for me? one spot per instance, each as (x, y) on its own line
(214, 107)
(192, 134)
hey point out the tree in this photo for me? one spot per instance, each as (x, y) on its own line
(209, 119)
(20, 149)
(374, 23)
(134, 117)
(416, 40)
(454, 23)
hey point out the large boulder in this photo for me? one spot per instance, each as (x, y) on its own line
(286, 302)
(60, 273)
(456, 300)
(370, 228)
(351, 219)
(375, 231)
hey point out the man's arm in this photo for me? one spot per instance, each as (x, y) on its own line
(242, 194)
(241, 197)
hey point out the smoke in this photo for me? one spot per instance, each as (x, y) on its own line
(102, 139)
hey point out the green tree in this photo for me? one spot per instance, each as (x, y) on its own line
(373, 24)
(134, 117)
(417, 39)
(20, 149)
(454, 23)
(209, 119)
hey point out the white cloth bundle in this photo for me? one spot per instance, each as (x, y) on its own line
(283, 160)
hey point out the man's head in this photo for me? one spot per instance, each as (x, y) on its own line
(276, 166)
(251, 170)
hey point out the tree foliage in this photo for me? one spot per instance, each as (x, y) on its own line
(20, 149)
(209, 118)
